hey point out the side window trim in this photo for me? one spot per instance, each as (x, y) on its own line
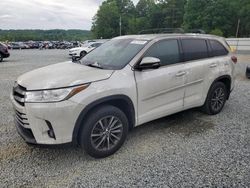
(210, 50)
(181, 51)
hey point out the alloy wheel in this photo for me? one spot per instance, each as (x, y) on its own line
(218, 99)
(106, 133)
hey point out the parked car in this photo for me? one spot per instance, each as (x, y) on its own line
(126, 82)
(4, 52)
(19, 45)
(79, 52)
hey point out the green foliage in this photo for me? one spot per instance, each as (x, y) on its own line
(222, 15)
(40, 35)
(217, 32)
(219, 17)
(107, 20)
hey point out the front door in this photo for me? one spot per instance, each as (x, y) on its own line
(161, 91)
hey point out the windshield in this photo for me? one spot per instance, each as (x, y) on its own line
(114, 54)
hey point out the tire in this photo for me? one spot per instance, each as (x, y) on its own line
(82, 54)
(216, 99)
(248, 72)
(1, 57)
(74, 59)
(104, 131)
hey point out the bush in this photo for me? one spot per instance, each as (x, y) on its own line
(217, 32)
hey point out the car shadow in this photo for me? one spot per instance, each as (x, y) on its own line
(186, 123)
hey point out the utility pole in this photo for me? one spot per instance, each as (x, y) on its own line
(120, 22)
(120, 25)
(238, 27)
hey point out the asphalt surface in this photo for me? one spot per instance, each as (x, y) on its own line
(188, 149)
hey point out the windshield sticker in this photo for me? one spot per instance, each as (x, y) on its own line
(140, 42)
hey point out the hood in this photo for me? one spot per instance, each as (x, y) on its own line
(62, 75)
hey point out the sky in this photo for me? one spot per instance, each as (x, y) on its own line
(48, 14)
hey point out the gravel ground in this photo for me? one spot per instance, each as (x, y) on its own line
(188, 149)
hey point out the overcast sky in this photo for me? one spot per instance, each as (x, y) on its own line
(48, 14)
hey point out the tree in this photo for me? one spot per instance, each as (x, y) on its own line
(173, 12)
(217, 32)
(223, 15)
(219, 17)
(142, 17)
(106, 21)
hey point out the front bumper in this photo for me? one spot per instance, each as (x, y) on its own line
(25, 133)
(34, 121)
(73, 54)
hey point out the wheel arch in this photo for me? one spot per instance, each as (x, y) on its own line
(83, 51)
(122, 102)
(225, 79)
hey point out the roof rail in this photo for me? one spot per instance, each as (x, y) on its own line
(162, 30)
(199, 31)
(171, 30)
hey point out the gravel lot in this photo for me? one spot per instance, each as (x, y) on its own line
(188, 149)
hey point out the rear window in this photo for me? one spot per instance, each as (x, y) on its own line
(194, 49)
(217, 48)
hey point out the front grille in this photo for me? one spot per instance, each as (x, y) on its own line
(19, 94)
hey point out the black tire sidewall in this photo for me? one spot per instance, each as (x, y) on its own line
(93, 117)
(1, 57)
(82, 54)
(208, 104)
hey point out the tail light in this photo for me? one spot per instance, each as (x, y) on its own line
(234, 59)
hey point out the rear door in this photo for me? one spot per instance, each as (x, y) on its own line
(220, 54)
(196, 57)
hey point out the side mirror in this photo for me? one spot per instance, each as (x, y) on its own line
(149, 63)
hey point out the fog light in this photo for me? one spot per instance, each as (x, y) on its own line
(50, 131)
(51, 134)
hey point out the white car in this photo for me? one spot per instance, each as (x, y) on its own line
(80, 52)
(124, 83)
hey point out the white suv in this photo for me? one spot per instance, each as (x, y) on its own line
(126, 82)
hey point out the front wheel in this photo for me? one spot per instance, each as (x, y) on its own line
(104, 131)
(216, 99)
(82, 54)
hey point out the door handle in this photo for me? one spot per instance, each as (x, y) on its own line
(179, 74)
(213, 65)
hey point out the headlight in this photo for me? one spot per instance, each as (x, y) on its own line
(53, 95)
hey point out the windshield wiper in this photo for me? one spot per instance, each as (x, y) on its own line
(95, 64)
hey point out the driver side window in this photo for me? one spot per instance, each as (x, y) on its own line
(166, 50)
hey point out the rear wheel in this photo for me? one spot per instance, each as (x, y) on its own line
(216, 99)
(1, 57)
(104, 131)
